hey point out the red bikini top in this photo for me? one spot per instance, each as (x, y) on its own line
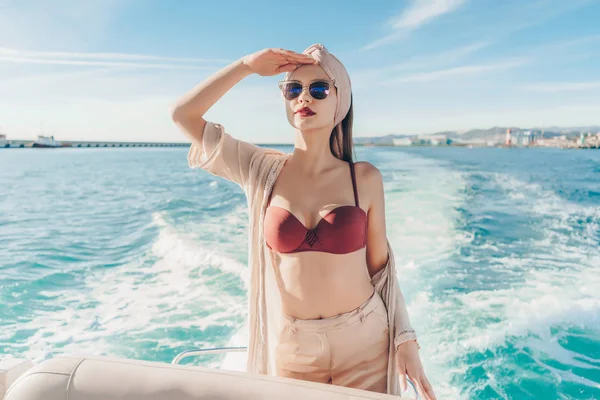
(343, 230)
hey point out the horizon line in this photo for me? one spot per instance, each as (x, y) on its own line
(457, 131)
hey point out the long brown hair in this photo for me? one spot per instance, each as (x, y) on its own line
(340, 141)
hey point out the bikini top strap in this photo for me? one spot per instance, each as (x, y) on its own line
(354, 183)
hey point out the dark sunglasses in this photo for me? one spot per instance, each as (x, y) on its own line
(318, 89)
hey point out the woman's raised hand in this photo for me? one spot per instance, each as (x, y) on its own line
(269, 62)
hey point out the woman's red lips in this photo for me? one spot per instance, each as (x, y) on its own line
(305, 111)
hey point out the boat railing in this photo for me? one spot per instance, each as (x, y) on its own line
(223, 350)
(203, 352)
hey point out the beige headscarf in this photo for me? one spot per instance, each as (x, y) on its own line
(336, 72)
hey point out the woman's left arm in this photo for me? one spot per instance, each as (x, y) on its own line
(371, 182)
(407, 353)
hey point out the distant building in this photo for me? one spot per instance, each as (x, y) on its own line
(478, 142)
(526, 138)
(402, 141)
(439, 140)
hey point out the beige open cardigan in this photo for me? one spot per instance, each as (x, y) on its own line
(255, 170)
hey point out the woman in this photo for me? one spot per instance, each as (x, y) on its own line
(324, 302)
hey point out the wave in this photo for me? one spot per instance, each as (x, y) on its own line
(179, 295)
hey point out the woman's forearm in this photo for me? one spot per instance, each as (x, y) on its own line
(200, 99)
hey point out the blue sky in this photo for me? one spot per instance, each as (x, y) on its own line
(110, 69)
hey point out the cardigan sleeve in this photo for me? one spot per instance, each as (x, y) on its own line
(222, 155)
(386, 284)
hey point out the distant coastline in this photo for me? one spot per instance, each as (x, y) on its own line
(555, 137)
(587, 137)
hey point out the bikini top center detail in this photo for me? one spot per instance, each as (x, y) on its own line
(342, 230)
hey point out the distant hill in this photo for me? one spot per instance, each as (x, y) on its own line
(494, 133)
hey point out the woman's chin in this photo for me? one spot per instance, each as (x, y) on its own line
(307, 124)
(311, 121)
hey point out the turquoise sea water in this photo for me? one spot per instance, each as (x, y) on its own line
(128, 252)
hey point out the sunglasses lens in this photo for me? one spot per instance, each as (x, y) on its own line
(319, 90)
(291, 90)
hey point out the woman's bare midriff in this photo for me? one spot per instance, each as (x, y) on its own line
(316, 285)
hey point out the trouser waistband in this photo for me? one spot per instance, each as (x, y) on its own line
(336, 321)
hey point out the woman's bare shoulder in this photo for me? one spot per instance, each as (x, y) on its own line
(369, 182)
(367, 172)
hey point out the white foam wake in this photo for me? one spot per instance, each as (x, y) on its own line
(180, 286)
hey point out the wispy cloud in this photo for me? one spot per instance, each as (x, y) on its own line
(418, 13)
(384, 40)
(26, 60)
(551, 87)
(466, 70)
(73, 24)
(569, 47)
(105, 56)
(417, 63)
(422, 11)
(104, 60)
(541, 11)
(430, 60)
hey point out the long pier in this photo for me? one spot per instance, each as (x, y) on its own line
(20, 144)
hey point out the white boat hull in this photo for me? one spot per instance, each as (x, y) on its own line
(108, 378)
